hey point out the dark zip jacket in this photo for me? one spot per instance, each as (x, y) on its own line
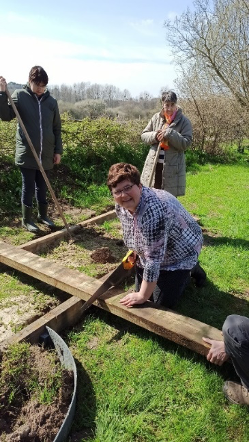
(41, 119)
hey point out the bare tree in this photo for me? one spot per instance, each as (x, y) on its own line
(215, 38)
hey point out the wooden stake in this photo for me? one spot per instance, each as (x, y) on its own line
(154, 165)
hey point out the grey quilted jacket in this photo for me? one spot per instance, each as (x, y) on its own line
(179, 138)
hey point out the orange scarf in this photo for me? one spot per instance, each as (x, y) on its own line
(169, 119)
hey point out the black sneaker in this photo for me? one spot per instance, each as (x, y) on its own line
(199, 275)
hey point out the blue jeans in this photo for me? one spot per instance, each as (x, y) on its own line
(236, 338)
(33, 183)
(169, 288)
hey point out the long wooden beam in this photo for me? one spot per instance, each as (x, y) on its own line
(41, 243)
(166, 323)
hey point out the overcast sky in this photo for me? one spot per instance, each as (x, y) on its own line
(96, 41)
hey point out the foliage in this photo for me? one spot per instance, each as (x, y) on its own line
(7, 138)
(92, 146)
(213, 40)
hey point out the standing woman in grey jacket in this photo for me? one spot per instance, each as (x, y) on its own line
(40, 115)
(170, 129)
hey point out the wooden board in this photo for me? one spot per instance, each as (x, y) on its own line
(166, 323)
(39, 244)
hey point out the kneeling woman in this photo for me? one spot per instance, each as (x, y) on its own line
(165, 239)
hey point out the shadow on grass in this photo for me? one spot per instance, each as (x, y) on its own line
(212, 240)
(211, 305)
(124, 326)
(83, 427)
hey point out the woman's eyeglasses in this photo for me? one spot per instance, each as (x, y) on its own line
(125, 190)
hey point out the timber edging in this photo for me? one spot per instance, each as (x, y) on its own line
(41, 243)
(181, 329)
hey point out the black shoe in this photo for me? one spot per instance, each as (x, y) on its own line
(199, 275)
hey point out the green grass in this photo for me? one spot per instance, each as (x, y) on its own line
(219, 197)
(134, 386)
(95, 197)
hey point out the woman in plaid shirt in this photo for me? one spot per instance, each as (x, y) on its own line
(165, 239)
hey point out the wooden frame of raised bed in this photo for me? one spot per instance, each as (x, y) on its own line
(166, 323)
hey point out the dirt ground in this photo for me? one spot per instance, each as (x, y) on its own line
(95, 251)
(18, 312)
(27, 418)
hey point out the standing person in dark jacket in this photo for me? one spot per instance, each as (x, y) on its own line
(40, 115)
(170, 129)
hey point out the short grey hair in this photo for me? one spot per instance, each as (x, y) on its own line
(169, 96)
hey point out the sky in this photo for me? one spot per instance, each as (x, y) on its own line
(97, 41)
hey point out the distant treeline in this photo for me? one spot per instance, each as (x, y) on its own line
(211, 114)
(84, 99)
(87, 91)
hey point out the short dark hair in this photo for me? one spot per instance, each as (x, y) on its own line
(122, 171)
(169, 96)
(38, 75)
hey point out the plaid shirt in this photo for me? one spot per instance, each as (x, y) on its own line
(162, 232)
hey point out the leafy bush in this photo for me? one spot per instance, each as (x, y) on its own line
(7, 138)
(92, 146)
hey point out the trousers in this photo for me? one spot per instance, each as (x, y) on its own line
(236, 338)
(33, 183)
(169, 288)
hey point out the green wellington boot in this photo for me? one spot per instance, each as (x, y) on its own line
(27, 221)
(42, 215)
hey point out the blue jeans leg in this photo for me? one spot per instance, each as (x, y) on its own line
(33, 183)
(236, 338)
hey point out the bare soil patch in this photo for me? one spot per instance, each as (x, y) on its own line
(24, 413)
(94, 251)
(102, 255)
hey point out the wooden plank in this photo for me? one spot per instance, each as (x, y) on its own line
(71, 281)
(41, 243)
(66, 315)
(166, 323)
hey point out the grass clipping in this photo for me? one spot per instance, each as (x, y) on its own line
(35, 393)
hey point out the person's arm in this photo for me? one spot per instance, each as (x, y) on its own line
(138, 298)
(57, 133)
(178, 140)
(149, 135)
(217, 353)
(6, 111)
(154, 232)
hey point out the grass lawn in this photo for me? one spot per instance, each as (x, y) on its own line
(135, 386)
